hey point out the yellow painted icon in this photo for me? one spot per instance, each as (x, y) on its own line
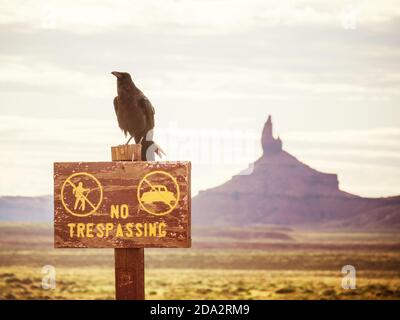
(83, 207)
(81, 195)
(158, 193)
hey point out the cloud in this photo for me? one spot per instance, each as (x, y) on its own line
(276, 50)
(382, 136)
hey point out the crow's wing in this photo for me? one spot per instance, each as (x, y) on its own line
(116, 105)
(148, 111)
(121, 122)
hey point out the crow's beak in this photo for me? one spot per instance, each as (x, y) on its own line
(116, 73)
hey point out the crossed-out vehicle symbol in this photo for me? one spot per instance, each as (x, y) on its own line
(158, 187)
(158, 193)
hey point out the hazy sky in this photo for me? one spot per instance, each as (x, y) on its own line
(328, 72)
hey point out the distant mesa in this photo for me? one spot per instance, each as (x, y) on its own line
(282, 190)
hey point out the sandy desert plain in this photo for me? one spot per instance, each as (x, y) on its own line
(262, 262)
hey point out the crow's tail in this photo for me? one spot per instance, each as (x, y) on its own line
(149, 149)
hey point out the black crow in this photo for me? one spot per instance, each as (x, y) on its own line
(135, 115)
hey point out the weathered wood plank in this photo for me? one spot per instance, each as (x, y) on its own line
(122, 204)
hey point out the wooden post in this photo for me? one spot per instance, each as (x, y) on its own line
(129, 263)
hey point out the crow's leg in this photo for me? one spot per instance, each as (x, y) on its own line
(129, 140)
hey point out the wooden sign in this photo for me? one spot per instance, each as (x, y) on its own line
(122, 204)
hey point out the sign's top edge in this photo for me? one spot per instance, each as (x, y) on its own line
(133, 162)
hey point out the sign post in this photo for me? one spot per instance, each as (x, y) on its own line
(126, 204)
(129, 263)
